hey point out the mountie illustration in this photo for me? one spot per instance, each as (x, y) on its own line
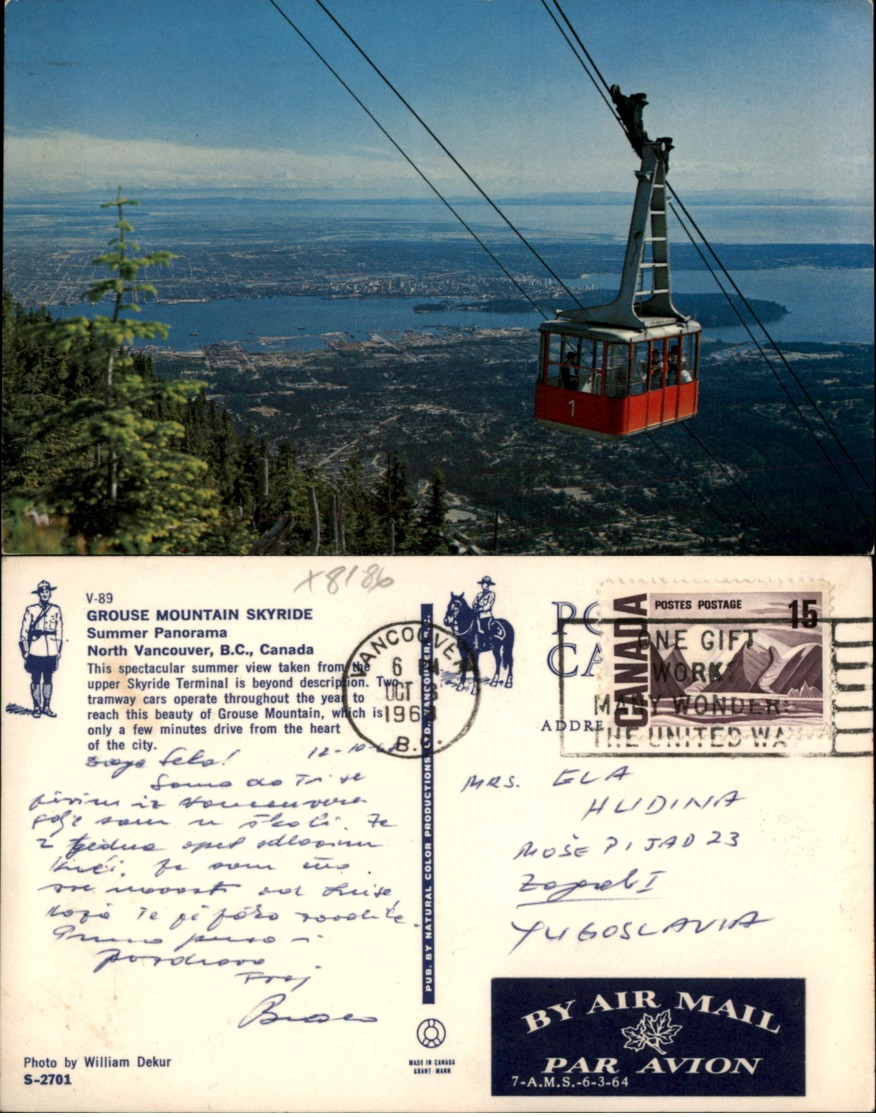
(41, 641)
(477, 631)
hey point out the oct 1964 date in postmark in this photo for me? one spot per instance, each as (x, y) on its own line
(724, 669)
(401, 688)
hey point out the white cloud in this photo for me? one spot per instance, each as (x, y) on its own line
(68, 161)
(56, 161)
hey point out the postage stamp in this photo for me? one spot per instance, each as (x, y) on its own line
(721, 670)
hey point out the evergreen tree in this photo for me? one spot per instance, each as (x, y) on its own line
(395, 509)
(34, 376)
(358, 512)
(432, 525)
(288, 496)
(210, 434)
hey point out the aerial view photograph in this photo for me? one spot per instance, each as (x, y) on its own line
(392, 277)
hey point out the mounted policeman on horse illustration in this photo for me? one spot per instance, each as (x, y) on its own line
(477, 631)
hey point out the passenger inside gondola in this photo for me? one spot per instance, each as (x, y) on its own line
(639, 377)
(590, 371)
(569, 369)
(674, 374)
(656, 370)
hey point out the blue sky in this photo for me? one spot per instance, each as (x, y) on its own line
(764, 95)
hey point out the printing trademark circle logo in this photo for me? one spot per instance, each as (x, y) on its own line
(431, 1033)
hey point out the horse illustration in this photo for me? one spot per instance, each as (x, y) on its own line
(498, 638)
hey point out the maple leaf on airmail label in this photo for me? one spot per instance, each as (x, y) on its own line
(652, 1031)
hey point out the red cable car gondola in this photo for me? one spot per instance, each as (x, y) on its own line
(632, 364)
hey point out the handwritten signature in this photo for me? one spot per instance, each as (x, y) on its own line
(263, 1013)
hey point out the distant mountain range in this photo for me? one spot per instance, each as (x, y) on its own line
(597, 197)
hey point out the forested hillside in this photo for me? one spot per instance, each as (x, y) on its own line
(188, 481)
(101, 456)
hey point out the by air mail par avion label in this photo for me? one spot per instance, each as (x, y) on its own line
(628, 1037)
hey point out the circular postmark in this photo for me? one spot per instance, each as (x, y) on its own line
(431, 1032)
(402, 687)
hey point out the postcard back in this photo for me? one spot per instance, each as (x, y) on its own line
(428, 835)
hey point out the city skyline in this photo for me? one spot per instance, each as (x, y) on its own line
(770, 96)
